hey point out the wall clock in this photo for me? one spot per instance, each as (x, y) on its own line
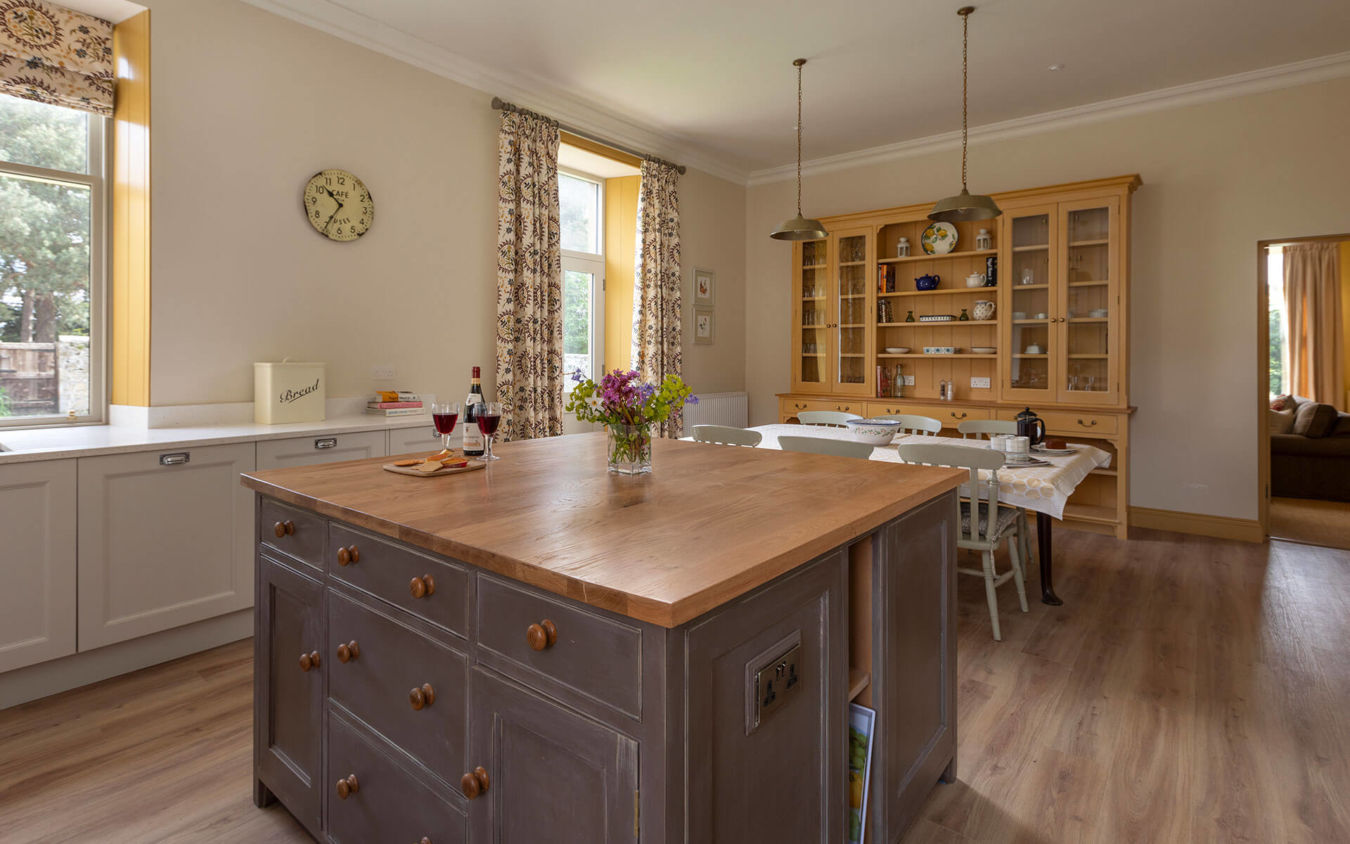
(337, 205)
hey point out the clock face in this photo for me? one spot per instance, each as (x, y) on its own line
(338, 205)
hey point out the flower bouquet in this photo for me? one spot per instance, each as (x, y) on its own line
(628, 408)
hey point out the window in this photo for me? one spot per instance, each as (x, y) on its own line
(52, 201)
(583, 265)
(1279, 322)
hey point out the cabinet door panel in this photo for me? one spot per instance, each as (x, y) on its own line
(810, 316)
(162, 545)
(289, 705)
(1029, 303)
(37, 563)
(308, 451)
(555, 775)
(1090, 301)
(420, 439)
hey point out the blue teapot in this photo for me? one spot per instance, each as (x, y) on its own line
(927, 282)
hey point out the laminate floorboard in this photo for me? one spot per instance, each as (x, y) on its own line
(1190, 689)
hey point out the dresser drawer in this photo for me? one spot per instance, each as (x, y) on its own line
(298, 533)
(950, 416)
(387, 570)
(389, 665)
(595, 656)
(389, 802)
(789, 408)
(1080, 424)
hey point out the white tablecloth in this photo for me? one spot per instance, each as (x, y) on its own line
(1044, 489)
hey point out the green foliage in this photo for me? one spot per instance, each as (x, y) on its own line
(1277, 375)
(4, 403)
(621, 399)
(576, 313)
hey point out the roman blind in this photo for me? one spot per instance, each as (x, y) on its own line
(52, 54)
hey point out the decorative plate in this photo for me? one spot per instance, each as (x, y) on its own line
(938, 238)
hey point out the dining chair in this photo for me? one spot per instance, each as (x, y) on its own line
(913, 424)
(832, 418)
(985, 428)
(726, 435)
(823, 445)
(984, 524)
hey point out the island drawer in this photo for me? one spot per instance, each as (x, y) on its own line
(298, 533)
(1079, 424)
(389, 802)
(409, 688)
(540, 636)
(424, 586)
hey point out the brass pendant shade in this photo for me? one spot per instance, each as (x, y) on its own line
(799, 227)
(964, 206)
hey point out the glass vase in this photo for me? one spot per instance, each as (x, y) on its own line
(630, 449)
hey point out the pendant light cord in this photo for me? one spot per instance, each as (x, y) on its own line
(799, 63)
(965, 74)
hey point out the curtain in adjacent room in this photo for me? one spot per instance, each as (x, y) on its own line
(54, 55)
(529, 278)
(1316, 336)
(657, 320)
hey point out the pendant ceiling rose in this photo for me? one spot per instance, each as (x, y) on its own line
(799, 227)
(965, 205)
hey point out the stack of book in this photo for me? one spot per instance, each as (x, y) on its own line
(395, 403)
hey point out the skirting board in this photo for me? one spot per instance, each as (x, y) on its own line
(1222, 527)
(59, 675)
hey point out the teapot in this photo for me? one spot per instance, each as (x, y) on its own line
(1031, 426)
(930, 281)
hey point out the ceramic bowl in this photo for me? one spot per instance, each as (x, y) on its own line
(874, 431)
(897, 350)
(983, 350)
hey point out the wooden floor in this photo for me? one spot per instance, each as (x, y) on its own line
(1189, 690)
(1307, 520)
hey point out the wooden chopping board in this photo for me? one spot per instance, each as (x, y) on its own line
(474, 465)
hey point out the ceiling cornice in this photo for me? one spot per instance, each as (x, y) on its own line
(1223, 87)
(522, 89)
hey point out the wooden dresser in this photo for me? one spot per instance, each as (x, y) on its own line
(1057, 341)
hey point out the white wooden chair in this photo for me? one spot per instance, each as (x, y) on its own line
(832, 418)
(913, 424)
(822, 445)
(726, 435)
(983, 429)
(984, 524)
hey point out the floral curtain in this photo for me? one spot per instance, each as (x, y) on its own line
(529, 278)
(1312, 292)
(658, 331)
(54, 55)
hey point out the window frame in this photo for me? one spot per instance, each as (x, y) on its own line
(594, 264)
(100, 208)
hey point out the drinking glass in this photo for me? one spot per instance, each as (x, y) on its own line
(489, 417)
(444, 415)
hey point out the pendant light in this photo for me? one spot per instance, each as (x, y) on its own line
(965, 205)
(799, 227)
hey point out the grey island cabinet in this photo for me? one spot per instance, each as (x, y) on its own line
(542, 651)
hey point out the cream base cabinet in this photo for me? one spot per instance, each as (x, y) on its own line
(423, 439)
(37, 562)
(308, 451)
(165, 539)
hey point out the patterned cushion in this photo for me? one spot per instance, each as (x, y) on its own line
(1006, 517)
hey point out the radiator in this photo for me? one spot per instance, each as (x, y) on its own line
(717, 409)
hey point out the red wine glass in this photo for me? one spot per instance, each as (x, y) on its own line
(489, 417)
(444, 415)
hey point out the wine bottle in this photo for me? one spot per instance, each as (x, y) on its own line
(473, 438)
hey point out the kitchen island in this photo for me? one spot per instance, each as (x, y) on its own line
(544, 651)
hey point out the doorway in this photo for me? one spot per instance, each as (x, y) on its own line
(1303, 328)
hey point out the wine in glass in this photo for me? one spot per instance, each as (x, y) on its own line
(489, 417)
(444, 415)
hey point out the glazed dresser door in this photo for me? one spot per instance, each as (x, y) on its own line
(810, 316)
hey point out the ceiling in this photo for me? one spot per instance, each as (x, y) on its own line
(113, 11)
(716, 76)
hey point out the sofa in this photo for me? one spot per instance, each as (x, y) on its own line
(1309, 450)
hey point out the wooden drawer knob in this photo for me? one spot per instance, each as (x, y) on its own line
(285, 528)
(347, 786)
(421, 587)
(422, 697)
(309, 660)
(1087, 424)
(348, 555)
(474, 783)
(349, 651)
(954, 416)
(541, 635)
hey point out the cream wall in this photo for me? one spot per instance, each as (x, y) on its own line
(1217, 176)
(246, 106)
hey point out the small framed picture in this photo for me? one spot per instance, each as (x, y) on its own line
(704, 282)
(703, 326)
(861, 727)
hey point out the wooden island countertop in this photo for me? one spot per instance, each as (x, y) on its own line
(709, 525)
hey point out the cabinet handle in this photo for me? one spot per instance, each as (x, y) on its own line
(285, 528)
(475, 782)
(348, 652)
(348, 555)
(425, 696)
(309, 660)
(326, 442)
(962, 416)
(1087, 424)
(347, 786)
(542, 635)
(175, 459)
(423, 586)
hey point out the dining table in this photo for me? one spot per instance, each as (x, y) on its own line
(1042, 489)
